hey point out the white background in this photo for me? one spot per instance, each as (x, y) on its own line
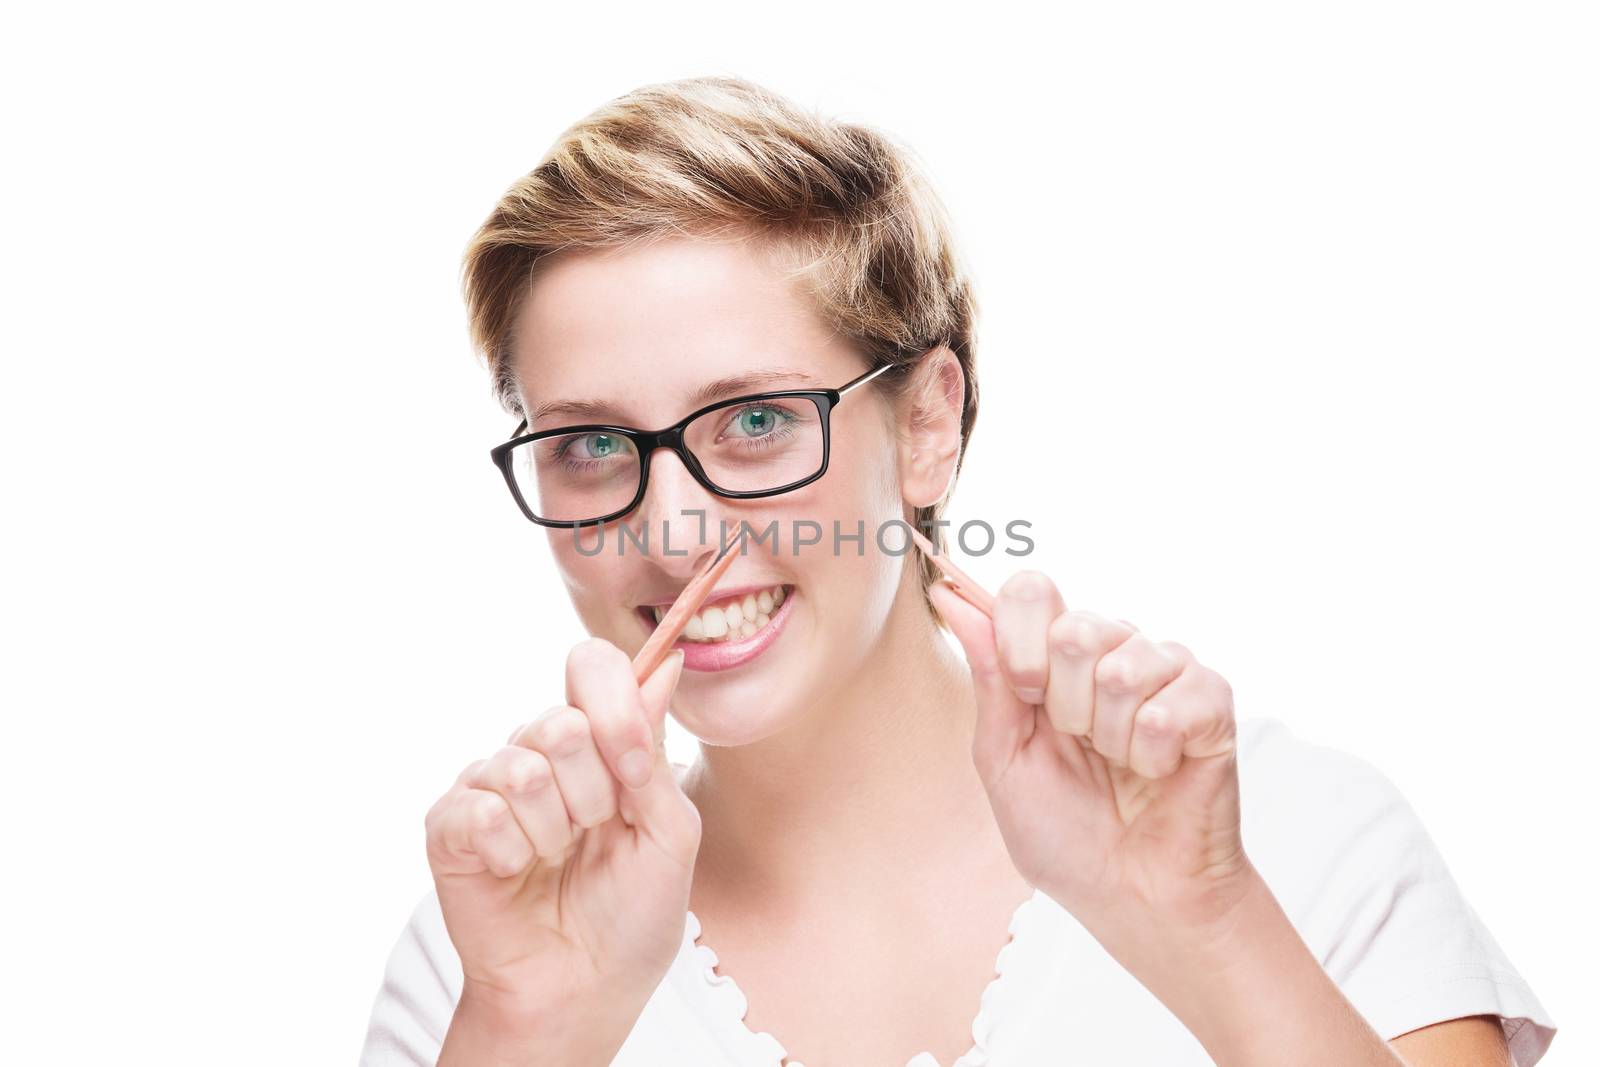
(1298, 301)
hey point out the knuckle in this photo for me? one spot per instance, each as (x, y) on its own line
(1028, 585)
(527, 734)
(488, 812)
(493, 772)
(528, 772)
(563, 732)
(1117, 673)
(1176, 652)
(1072, 635)
(1154, 720)
(471, 772)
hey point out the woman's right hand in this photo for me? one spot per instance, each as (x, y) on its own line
(563, 886)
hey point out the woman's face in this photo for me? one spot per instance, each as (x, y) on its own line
(638, 334)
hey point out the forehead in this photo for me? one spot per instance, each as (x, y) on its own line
(645, 327)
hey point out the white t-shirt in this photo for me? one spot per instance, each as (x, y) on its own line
(1344, 853)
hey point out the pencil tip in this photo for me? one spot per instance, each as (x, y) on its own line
(731, 539)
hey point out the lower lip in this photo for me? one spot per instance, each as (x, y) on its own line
(726, 655)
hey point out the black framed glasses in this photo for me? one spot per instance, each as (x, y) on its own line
(761, 444)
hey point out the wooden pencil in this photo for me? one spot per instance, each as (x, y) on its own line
(965, 587)
(683, 609)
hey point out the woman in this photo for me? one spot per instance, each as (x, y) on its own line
(887, 852)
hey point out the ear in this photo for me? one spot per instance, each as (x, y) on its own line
(930, 428)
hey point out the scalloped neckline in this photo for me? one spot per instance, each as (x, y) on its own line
(732, 1002)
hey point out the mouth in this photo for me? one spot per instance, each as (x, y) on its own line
(729, 630)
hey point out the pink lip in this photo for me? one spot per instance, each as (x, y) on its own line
(726, 655)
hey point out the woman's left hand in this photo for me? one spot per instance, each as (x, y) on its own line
(1109, 761)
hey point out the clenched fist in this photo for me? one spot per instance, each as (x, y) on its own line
(1109, 760)
(563, 866)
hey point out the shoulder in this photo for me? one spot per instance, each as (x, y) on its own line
(1367, 888)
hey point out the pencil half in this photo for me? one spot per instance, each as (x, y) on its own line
(683, 609)
(965, 587)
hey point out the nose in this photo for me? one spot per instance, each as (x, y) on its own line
(681, 518)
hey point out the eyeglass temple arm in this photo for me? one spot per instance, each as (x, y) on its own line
(865, 378)
(871, 374)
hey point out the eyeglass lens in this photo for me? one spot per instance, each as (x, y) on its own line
(751, 446)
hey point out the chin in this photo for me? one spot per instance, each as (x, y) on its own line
(749, 661)
(728, 726)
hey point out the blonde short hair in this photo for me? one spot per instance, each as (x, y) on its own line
(720, 156)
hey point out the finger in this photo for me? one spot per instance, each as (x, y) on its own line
(1023, 610)
(1004, 721)
(1076, 640)
(588, 789)
(1191, 716)
(475, 832)
(528, 783)
(660, 809)
(656, 694)
(470, 771)
(600, 681)
(1156, 747)
(1202, 702)
(1124, 678)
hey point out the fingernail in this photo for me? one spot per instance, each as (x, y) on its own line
(675, 662)
(635, 767)
(1031, 696)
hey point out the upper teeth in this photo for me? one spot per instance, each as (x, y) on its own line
(731, 620)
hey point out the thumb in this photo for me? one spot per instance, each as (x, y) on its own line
(659, 808)
(656, 692)
(1004, 720)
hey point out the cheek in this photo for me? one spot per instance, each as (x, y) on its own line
(863, 479)
(577, 570)
(596, 582)
(854, 581)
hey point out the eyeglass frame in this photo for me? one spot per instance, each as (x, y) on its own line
(646, 442)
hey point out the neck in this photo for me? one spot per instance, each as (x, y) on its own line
(874, 790)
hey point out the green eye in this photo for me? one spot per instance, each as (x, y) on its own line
(757, 421)
(598, 445)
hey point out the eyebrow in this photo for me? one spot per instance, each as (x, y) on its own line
(731, 385)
